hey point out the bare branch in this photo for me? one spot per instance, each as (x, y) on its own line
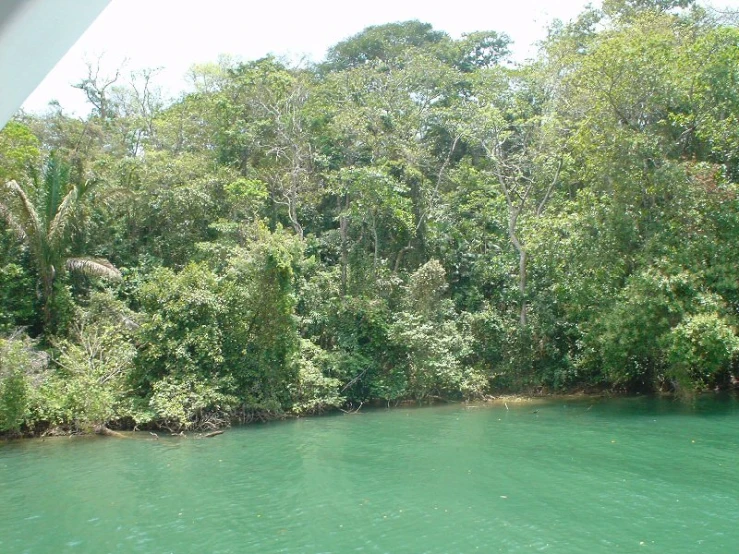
(545, 200)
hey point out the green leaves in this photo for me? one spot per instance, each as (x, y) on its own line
(386, 43)
(183, 334)
(431, 346)
(233, 331)
(699, 349)
(43, 218)
(17, 362)
(409, 219)
(19, 152)
(314, 392)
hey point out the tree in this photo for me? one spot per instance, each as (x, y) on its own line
(631, 8)
(432, 344)
(505, 118)
(478, 50)
(385, 43)
(98, 88)
(46, 228)
(260, 129)
(19, 151)
(379, 128)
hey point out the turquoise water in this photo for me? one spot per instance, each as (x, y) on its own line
(622, 475)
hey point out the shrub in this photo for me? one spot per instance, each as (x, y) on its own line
(19, 364)
(699, 349)
(184, 403)
(88, 387)
(314, 392)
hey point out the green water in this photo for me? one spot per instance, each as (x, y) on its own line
(625, 475)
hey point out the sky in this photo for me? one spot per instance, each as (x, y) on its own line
(175, 34)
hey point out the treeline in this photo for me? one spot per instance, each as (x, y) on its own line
(416, 217)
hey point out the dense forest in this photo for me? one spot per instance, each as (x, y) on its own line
(414, 218)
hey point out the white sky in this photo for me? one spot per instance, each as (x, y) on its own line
(175, 34)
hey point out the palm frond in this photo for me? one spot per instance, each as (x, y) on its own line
(98, 267)
(25, 215)
(10, 221)
(86, 186)
(56, 181)
(61, 218)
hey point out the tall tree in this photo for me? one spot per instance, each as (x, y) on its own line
(46, 228)
(506, 118)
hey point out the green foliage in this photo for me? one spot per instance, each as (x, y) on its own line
(432, 346)
(655, 322)
(179, 404)
(88, 388)
(16, 305)
(412, 218)
(234, 331)
(260, 329)
(699, 349)
(314, 392)
(17, 366)
(247, 196)
(381, 42)
(632, 8)
(481, 49)
(181, 333)
(19, 152)
(353, 331)
(43, 217)
(492, 349)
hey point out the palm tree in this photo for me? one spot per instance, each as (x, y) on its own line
(45, 228)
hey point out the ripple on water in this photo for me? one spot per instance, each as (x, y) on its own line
(626, 475)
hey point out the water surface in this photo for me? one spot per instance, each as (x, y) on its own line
(622, 475)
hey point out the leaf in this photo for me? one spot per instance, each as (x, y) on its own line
(11, 222)
(98, 267)
(61, 218)
(26, 219)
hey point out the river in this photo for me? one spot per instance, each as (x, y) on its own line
(617, 475)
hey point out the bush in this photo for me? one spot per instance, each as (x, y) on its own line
(14, 389)
(88, 387)
(314, 392)
(430, 344)
(182, 332)
(16, 304)
(234, 330)
(699, 349)
(189, 403)
(19, 364)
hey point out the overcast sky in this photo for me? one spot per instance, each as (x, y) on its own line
(175, 34)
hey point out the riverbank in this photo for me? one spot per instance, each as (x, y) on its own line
(123, 430)
(127, 429)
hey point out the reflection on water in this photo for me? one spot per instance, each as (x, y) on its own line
(592, 475)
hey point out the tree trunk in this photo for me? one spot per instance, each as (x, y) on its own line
(377, 247)
(521, 249)
(47, 286)
(292, 213)
(522, 285)
(344, 231)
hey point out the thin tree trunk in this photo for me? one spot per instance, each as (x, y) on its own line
(344, 231)
(377, 246)
(521, 249)
(47, 286)
(399, 257)
(522, 285)
(293, 215)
